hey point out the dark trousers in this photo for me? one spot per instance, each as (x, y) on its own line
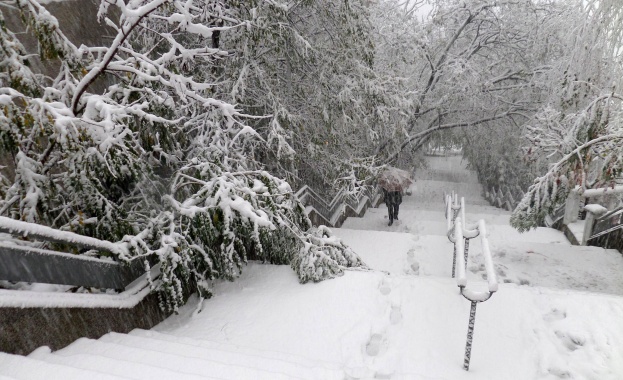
(392, 208)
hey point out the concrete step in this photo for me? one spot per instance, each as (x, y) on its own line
(114, 366)
(152, 355)
(250, 355)
(161, 358)
(523, 263)
(409, 222)
(290, 366)
(433, 190)
(447, 175)
(473, 214)
(27, 368)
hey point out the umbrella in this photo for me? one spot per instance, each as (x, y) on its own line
(394, 179)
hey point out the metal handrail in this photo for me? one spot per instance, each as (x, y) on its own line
(502, 199)
(455, 208)
(603, 219)
(460, 236)
(24, 263)
(17, 227)
(331, 211)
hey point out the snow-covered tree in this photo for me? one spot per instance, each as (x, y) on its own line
(470, 64)
(579, 130)
(166, 158)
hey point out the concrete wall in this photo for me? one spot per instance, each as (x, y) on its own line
(23, 330)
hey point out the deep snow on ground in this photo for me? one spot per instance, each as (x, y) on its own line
(406, 318)
(403, 319)
(373, 325)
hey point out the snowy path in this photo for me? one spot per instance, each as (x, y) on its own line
(403, 320)
(541, 257)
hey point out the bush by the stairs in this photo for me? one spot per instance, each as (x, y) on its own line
(217, 219)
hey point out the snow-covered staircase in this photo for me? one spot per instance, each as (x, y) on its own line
(152, 355)
(521, 258)
(404, 319)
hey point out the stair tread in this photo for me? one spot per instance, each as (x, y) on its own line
(263, 355)
(22, 367)
(229, 354)
(163, 356)
(116, 367)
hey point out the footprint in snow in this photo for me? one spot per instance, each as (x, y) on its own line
(384, 288)
(395, 315)
(499, 271)
(555, 315)
(415, 268)
(571, 341)
(381, 375)
(373, 347)
(560, 373)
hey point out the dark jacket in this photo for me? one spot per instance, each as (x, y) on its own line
(392, 197)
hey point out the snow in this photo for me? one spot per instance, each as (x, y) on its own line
(577, 229)
(22, 228)
(595, 209)
(556, 314)
(35, 298)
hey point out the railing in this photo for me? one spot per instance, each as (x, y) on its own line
(20, 261)
(24, 263)
(599, 221)
(503, 197)
(609, 222)
(554, 219)
(578, 205)
(334, 213)
(460, 236)
(606, 230)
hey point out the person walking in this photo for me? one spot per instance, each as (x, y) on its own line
(392, 199)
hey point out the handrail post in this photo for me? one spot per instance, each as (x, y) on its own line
(470, 335)
(461, 238)
(454, 262)
(592, 211)
(572, 207)
(466, 251)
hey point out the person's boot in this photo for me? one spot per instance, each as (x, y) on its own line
(390, 222)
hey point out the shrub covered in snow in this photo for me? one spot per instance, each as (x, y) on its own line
(163, 159)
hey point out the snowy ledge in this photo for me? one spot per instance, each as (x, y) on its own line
(17, 227)
(28, 299)
(132, 296)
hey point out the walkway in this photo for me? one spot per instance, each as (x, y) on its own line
(541, 257)
(558, 316)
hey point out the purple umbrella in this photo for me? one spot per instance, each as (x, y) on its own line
(394, 179)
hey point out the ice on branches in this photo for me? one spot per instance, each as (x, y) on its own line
(218, 220)
(323, 256)
(162, 156)
(582, 143)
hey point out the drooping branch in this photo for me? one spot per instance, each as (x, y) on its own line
(124, 32)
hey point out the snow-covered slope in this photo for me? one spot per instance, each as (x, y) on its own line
(557, 314)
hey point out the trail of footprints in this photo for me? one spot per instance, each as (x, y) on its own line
(377, 343)
(568, 341)
(413, 264)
